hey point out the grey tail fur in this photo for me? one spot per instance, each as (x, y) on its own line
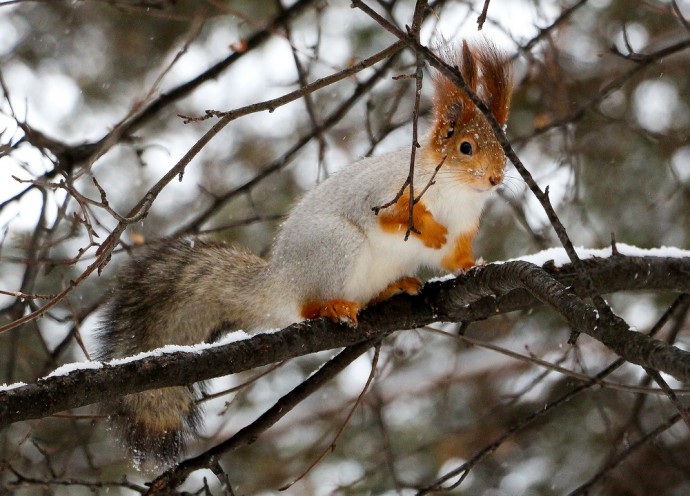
(182, 291)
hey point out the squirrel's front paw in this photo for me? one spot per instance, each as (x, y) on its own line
(339, 311)
(464, 265)
(433, 236)
(460, 258)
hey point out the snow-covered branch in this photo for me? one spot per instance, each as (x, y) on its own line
(483, 292)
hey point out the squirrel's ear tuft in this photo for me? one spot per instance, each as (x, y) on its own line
(496, 80)
(486, 71)
(468, 68)
(450, 103)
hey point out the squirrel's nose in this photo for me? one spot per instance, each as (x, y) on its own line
(495, 180)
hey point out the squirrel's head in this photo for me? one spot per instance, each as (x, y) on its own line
(461, 135)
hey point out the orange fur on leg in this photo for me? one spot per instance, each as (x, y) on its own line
(339, 311)
(409, 285)
(396, 218)
(461, 258)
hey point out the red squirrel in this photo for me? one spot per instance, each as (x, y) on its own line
(333, 255)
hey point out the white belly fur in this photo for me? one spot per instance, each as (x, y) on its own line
(387, 257)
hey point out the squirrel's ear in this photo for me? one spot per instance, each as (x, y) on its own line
(486, 71)
(453, 112)
(496, 81)
(450, 102)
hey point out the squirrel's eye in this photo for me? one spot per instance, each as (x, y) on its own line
(466, 148)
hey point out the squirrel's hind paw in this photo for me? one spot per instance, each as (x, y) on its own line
(339, 311)
(410, 285)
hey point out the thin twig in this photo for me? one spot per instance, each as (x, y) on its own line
(561, 370)
(679, 15)
(584, 489)
(482, 17)
(421, 7)
(341, 429)
(670, 393)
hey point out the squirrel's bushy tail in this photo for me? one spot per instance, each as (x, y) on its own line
(156, 425)
(182, 292)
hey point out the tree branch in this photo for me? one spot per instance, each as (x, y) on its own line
(481, 293)
(176, 475)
